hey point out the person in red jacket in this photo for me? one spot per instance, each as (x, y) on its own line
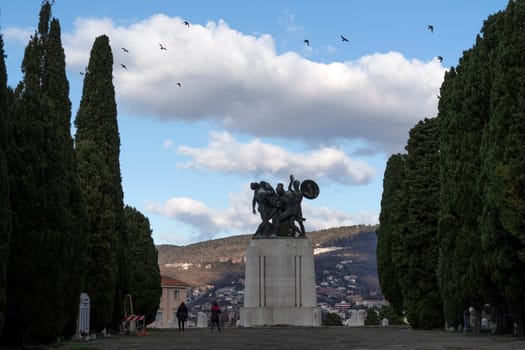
(215, 319)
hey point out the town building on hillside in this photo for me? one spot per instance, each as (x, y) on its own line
(343, 306)
(174, 292)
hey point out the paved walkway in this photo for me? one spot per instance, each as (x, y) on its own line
(329, 338)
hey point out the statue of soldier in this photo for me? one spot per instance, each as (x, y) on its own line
(280, 210)
(267, 205)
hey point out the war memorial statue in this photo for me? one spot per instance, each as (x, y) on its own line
(280, 209)
(279, 286)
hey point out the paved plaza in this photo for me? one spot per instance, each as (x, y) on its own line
(303, 338)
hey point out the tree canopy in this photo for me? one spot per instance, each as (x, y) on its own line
(62, 225)
(477, 192)
(142, 257)
(46, 247)
(5, 210)
(98, 148)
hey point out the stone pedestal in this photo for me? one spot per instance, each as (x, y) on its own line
(280, 284)
(202, 320)
(357, 318)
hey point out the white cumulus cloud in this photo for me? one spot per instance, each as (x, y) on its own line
(241, 83)
(20, 35)
(225, 154)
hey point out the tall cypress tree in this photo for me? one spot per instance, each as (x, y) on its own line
(392, 226)
(98, 148)
(423, 304)
(407, 235)
(463, 113)
(72, 213)
(43, 281)
(145, 286)
(5, 212)
(503, 219)
(449, 221)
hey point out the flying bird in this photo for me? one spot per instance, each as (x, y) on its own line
(343, 38)
(125, 50)
(307, 42)
(187, 24)
(162, 47)
(431, 28)
(124, 66)
(81, 73)
(179, 84)
(440, 58)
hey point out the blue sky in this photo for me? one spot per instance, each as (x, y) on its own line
(255, 101)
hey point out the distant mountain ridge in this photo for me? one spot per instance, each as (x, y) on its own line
(218, 262)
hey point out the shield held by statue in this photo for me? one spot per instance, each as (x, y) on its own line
(310, 189)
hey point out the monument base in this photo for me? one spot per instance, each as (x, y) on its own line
(280, 284)
(280, 315)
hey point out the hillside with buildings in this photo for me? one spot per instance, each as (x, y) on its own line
(220, 261)
(345, 266)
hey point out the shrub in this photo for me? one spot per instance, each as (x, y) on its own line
(394, 319)
(372, 318)
(332, 319)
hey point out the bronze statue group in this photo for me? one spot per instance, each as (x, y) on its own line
(280, 209)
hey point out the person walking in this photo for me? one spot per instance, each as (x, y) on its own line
(182, 315)
(215, 319)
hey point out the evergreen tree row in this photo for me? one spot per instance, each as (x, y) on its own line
(64, 228)
(452, 222)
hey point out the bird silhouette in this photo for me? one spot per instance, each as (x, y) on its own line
(162, 47)
(431, 28)
(125, 50)
(179, 84)
(343, 38)
(124, 66)
(81, 73)
(187, 24)
(307, 42)
(440, 58)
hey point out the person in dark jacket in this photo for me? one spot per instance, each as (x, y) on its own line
(215, 316)
(182, 315)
